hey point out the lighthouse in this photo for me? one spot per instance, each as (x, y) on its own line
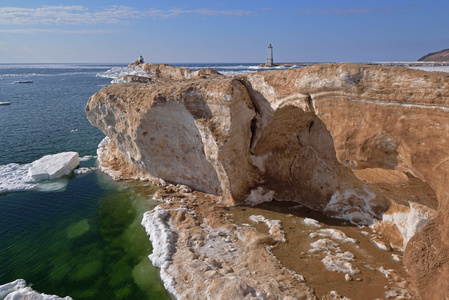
(270, 56)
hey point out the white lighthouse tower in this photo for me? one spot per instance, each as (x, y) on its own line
(270, 56)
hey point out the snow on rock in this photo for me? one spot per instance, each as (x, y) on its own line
(18, 290)
(342, 205)
(340, 263)
(274, 225)
(53, 166)
(325, 245)
(409, 221)
(312, 222)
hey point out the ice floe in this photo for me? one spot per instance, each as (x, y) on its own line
(18, 290)
(15, 177)
(53, 166)
(83, 170)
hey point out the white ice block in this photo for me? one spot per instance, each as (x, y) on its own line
(53, 166)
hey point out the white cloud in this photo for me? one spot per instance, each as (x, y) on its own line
(209, 12)
(358, 10)
(79, 15)
(35, 30)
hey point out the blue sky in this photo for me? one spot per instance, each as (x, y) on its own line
(221, 31)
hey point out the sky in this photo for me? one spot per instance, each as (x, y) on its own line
(197, 31)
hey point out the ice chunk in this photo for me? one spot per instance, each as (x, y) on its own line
(53, 166)
(311, 222)
(14, 178)
(18, 290)
(163, 241)
(84, 170)
(335, 234)
(274, 225)
(326, 245)
(340, 263)
(11, 287)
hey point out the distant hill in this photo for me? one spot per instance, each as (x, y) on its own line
(442, 55)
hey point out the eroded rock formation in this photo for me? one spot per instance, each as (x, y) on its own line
(365, 143)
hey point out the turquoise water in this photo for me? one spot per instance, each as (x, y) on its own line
(83, 239)
(86, 241)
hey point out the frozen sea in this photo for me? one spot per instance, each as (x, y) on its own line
(77, 236)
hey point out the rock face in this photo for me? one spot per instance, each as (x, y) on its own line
(365, 143)
(442, 55)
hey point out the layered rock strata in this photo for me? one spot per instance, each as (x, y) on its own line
(364, 143)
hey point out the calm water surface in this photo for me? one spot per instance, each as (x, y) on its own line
(81, 236)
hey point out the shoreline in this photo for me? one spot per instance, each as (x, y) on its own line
(246, 251)
(383, 64)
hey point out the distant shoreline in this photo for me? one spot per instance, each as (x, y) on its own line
(385, 64)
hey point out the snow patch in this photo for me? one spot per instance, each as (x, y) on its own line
(408, 223)
(325, 245)
(340, 263)
(333, 234)
(312, 222)
(259, 195)
(274, 225)
(117, 72)
(163, 242)
(352, 205)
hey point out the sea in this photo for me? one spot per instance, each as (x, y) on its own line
(80, 235)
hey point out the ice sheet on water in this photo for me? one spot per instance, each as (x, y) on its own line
(17, 289)
(16, 178)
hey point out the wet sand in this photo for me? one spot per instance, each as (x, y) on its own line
(380, 276)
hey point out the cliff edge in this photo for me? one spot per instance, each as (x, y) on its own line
(367, 144)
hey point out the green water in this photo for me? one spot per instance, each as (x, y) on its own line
(85, 242)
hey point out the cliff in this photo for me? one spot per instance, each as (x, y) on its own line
(442, 55)
(364, 143)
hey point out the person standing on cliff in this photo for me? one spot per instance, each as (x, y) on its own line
(141, 59)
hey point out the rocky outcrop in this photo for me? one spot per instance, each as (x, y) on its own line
(442, 55)
(364, 143)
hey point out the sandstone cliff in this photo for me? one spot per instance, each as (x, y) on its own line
(364, 143)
